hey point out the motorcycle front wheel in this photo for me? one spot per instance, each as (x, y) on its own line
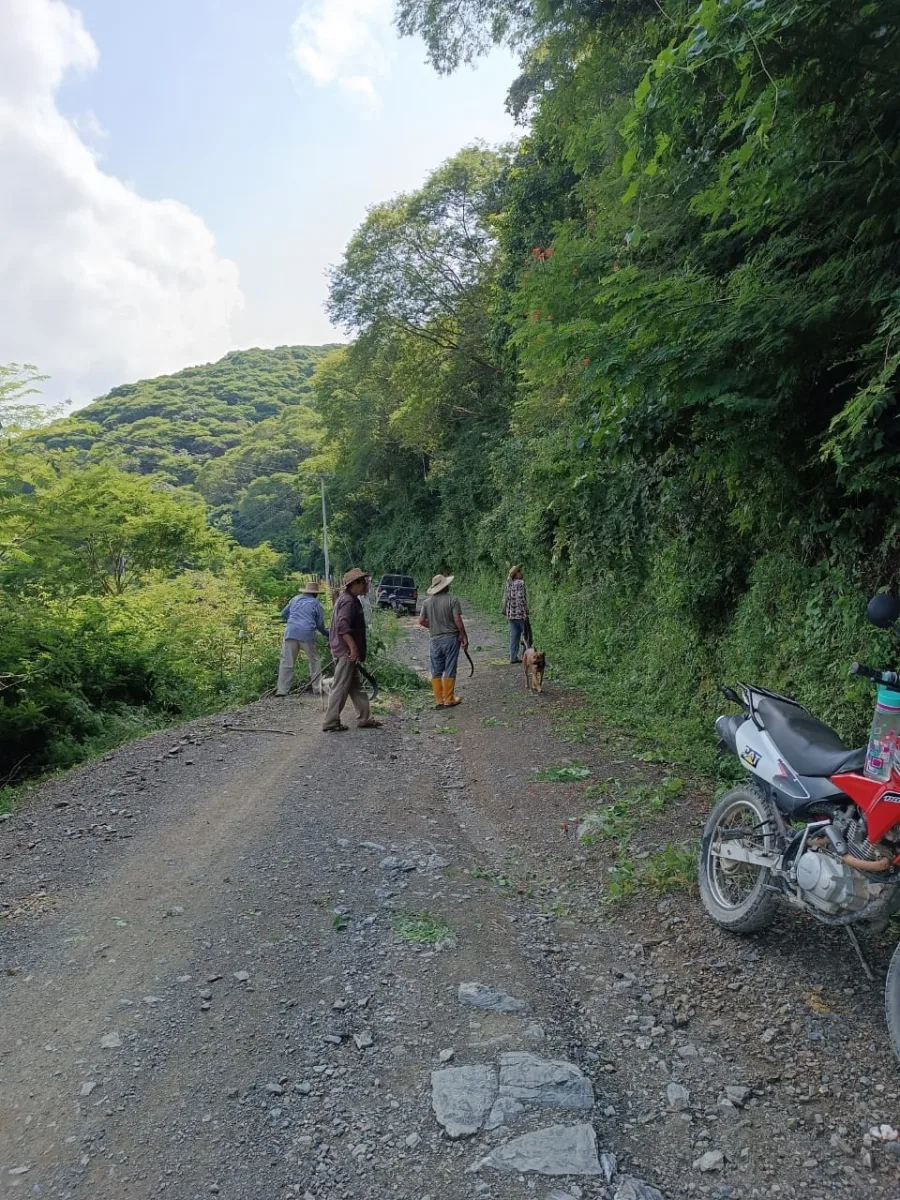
(738, 896)
(892, 1001)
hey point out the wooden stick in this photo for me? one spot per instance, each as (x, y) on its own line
(247, 729)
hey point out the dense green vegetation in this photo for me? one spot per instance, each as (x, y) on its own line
(140, 577)
(651, 351)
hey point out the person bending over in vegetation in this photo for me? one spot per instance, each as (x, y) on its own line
(347, 641)
(442, 617)
(515, 609)
(304, 616)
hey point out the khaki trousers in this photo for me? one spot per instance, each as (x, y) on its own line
(347, 684)
(289, 652)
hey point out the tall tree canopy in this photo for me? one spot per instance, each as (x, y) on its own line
(665, 366)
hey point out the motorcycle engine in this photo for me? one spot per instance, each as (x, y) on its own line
(831, 885)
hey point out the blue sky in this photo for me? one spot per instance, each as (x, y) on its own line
(274, 126)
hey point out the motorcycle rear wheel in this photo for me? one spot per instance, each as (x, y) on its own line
(738, 896)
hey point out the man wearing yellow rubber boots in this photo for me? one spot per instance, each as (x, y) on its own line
(442, 617)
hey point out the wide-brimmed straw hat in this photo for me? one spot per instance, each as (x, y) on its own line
(353, 575)
(438, 584)
(311, 588)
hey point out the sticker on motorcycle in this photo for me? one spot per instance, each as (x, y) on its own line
(890, 798)
(750, 757)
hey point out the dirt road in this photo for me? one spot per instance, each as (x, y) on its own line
(231, 962)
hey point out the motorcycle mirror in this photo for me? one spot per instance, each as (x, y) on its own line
(883, 610)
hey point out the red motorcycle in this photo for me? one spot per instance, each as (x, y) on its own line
(816, 823)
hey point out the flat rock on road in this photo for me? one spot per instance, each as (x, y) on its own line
(231, 964)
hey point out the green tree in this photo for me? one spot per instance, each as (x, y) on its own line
(96, 530)
(19, 413)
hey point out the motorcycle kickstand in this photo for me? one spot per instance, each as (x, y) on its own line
(860, 953)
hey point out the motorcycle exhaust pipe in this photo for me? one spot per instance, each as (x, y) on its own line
(864, 864)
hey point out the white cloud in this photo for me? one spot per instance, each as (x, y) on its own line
(345, 42)
(98, 285)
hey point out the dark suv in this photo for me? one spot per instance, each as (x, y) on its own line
(401, 586)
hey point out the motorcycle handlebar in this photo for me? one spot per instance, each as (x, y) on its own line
(890, 678)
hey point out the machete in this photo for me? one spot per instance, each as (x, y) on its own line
(471, 664)
(370, 679)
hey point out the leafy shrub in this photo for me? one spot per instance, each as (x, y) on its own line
(82, 675)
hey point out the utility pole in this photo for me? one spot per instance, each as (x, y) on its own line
(325, 532)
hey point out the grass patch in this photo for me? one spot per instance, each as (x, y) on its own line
(392, 676)
(624, 813)
(673, 869)
(11, 796)
(615, 824)
(421, 929)
(567, 773)
(670, 870)
(494, 723)
(577, 725)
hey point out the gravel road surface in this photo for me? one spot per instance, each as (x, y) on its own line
(236, 964)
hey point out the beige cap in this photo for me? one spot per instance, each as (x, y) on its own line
(311, 588)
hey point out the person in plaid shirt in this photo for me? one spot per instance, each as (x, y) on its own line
(515, 609)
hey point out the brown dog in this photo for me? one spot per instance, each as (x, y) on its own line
(534, 662)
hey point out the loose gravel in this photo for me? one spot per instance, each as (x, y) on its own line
(206, 989)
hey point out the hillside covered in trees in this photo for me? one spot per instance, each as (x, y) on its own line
(235, 430)
(145, 542)
(651, 350)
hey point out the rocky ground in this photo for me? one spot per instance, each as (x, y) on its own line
(261, 964)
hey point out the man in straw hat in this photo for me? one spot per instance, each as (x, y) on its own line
(347, 641)
(304, 616)
(442, 617)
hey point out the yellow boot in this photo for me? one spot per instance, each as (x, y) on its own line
(449, 699)
(438, 692)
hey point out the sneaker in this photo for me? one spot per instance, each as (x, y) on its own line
(335, 728)
(370, 724)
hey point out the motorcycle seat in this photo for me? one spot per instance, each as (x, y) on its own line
(808, 746)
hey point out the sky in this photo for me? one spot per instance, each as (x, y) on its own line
(177, 176)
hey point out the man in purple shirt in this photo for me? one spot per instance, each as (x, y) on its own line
(347, 640)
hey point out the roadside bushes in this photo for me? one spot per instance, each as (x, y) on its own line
(79, 676)
(644, 657)
(120, 608)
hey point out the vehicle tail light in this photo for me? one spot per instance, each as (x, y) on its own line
(415, 593)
